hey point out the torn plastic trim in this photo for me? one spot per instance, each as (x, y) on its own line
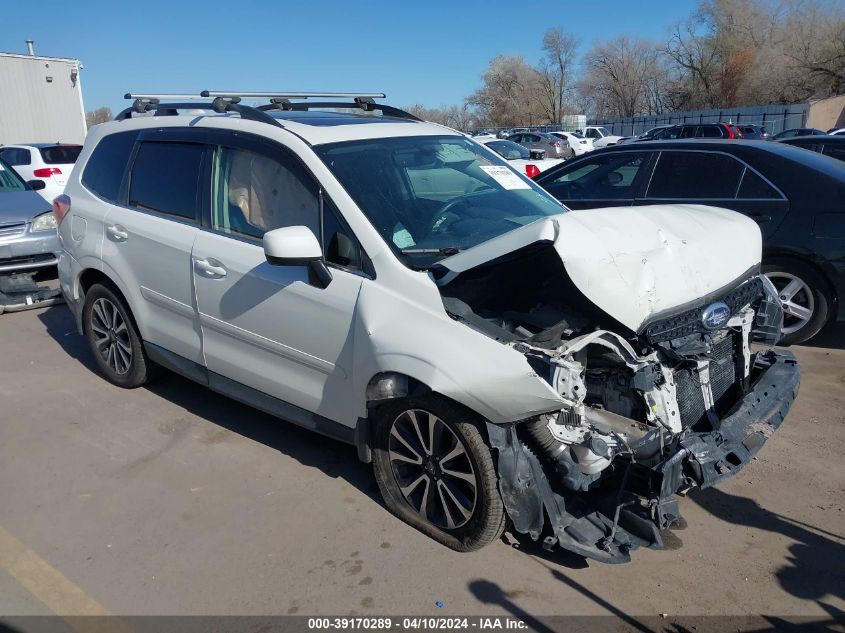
(19, 291)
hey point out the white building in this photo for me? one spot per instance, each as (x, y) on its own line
(41, 99)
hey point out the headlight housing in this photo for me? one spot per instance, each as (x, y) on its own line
(44, 222)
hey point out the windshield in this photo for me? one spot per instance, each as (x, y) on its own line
(432, 196)
(9, 180)
(510, 150)
(603, 131)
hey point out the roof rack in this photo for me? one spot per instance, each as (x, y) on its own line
(230, 102)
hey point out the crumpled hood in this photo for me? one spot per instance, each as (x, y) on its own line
(635, 262)
(21, 206)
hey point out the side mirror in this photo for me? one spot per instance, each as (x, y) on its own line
(36, 185)
(297, 246)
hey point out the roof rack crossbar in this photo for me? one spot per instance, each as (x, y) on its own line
(141, 106)
(294, 95)
(343, 105)
(230, 102)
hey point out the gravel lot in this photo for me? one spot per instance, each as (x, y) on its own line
(174, 500)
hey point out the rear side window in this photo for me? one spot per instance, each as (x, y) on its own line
(710, 131)
(60, 154)
(834, 151)
(104, 170)
(688, 131)
(165, 179)
(695, 176)
(15, 156)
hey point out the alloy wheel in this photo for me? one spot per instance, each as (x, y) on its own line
(432, 469)
(111, 336)
(798, 300)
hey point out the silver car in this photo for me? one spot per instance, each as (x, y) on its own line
(28, 236)
(554, 147)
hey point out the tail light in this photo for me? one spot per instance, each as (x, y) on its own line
(532, 171)
(729, 131)
(46, 172)
(61, 206)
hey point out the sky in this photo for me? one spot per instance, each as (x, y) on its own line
(431, 52)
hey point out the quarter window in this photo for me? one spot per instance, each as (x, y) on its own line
(753, 187)
(255, 193)
(695, 176)
(165, 179)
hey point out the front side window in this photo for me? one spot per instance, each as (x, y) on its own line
(255, 193)
(695, 176)
(431, 196)
(610, 177)
(165, 179)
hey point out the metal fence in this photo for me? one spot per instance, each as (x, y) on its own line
(774, 118)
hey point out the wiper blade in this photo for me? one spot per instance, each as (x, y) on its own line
(444, 250)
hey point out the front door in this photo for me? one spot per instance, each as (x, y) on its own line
(268, 327)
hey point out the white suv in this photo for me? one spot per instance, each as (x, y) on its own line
(393, 284)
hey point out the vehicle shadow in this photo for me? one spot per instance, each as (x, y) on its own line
(831, 337)
(814, 566)
(330, 456)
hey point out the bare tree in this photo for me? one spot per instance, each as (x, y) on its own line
(557, 73)
(622, 78)
(100, 115)
(509, 95)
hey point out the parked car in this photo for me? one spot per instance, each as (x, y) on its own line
(800, 131)
(554, 146)
(795, 197)
(600, 136)
(645, 136)
(698, 130)
(753, 132)
(833, 146)
(401, 288)
(49, 162)
(28, 237)
(519, 157)
(836, 131)
(578, 142)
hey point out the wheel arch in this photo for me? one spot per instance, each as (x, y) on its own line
(804, 258)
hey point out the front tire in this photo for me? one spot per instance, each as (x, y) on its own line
(436, 472)
(113, 337)
(805, 296)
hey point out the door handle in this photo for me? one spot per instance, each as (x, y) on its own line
(760, 217)
(117, 233)
(210, 268)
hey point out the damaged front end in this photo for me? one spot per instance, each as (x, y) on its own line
(683, 401)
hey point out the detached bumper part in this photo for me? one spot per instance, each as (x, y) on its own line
(630, 508)
(18, 291)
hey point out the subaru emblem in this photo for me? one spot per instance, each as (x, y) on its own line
(715, 315)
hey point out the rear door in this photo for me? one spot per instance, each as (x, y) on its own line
(148, 238)
(610, 180)
(719, 180)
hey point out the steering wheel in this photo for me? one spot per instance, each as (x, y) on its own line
(437, 223)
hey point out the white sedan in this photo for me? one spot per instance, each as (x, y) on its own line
(519, 157)
(578, 142)
(50, 162)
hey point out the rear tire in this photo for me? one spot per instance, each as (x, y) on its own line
(806, 297)
(113, 337)
(452, 493)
